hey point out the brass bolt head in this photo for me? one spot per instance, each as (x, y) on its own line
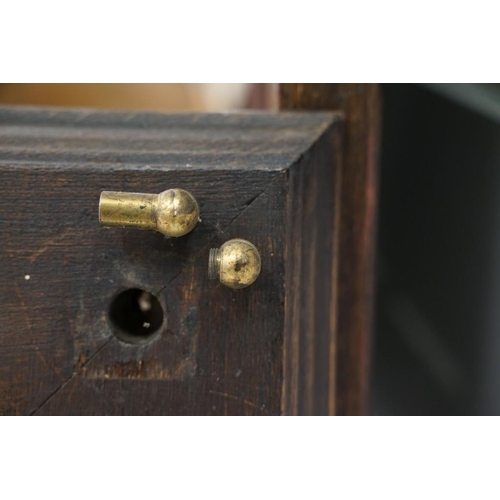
(236, 263)
(177, 212)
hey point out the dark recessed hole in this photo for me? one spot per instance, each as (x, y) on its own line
(135, 316)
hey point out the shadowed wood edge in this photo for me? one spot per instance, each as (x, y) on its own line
(361, 104)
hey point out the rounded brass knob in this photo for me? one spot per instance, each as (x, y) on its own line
(174, 212)
(236, 263)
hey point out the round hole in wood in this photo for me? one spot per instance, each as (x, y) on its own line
(135, 316)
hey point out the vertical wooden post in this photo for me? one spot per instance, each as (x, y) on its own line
(361, 105)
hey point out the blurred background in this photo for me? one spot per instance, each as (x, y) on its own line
(436, 345)
(437, 342)
(141, 96)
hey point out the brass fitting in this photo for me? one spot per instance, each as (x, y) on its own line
(236, 263)
(174, 212)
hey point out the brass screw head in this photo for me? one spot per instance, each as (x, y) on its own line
(236, 263)
(177, 212)
(174, 212)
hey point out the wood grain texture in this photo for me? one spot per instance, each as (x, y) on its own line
(312, 280)
(360, 104)
(221, 351)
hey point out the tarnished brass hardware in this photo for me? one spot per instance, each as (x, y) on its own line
(236, 263)
(174, 212)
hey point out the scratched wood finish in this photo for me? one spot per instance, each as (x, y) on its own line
(220, 351)
(360, 104)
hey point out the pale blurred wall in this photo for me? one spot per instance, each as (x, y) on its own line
(139, 96)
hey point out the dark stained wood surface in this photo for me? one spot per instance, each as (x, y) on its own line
(220, 351)
(312, 280)
(360, 104)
